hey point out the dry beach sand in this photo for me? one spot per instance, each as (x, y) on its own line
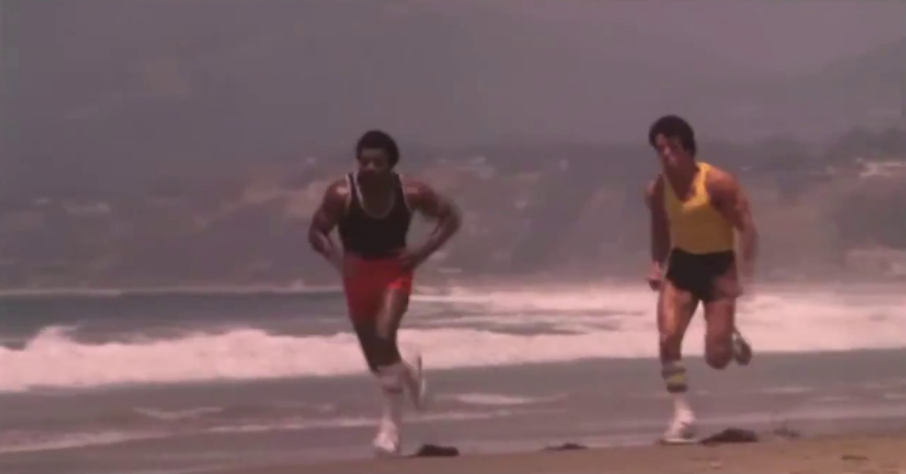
(864, 454)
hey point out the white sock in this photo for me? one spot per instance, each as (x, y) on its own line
(409, 356)
(393, 409)
(680, 405)
(390, 380)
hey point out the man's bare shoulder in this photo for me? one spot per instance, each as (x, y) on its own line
(721, 181)
(413, 184)
(338, 188)
(337, 194)
(415, 188)
(424, 198)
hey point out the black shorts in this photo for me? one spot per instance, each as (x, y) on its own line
(708, 277)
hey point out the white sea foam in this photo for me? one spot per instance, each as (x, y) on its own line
(787, 322)
(177, 415)
(499, 399)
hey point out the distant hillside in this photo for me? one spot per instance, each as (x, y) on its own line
(560, 209)
(120, 93)
(868, 89)
(147, 143)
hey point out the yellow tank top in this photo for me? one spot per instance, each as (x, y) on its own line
(695, 225)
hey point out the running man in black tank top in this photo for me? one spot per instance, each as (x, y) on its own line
(372, 209)
(369, 236)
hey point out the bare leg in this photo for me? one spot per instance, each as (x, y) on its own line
(377, 333)
(675, 310)
(377, 336)
(396, 303)
(394, 307)
(720, 324)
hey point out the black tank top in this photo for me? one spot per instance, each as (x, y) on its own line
(371, 237)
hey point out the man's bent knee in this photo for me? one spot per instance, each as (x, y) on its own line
(719, 317)
(718, 356)
(385, 351)
(373, 356)
(378, 349)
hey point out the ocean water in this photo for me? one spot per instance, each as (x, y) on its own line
(176, 381)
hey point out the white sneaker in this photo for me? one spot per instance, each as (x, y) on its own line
(681, 430)
(387, 441)
(417, 384)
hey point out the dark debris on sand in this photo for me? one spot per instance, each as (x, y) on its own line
(433, 450)
(731, 435)
(727, 436)
(854, 457)
(566, 447)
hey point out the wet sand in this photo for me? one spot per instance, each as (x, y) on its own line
(864, 454)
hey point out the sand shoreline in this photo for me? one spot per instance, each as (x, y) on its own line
(875, 454)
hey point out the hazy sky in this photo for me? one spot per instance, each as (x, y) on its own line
(99, 81)
(774, 35)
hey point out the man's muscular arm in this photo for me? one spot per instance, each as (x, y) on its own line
(431, 204)
(660, 234)
(731, 201)
(326, 217)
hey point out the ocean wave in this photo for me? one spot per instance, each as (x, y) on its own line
(773, 323)
(107, 293)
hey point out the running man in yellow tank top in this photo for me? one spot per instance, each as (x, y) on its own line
(697, 210)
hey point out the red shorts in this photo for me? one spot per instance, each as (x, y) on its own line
(366, 282)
